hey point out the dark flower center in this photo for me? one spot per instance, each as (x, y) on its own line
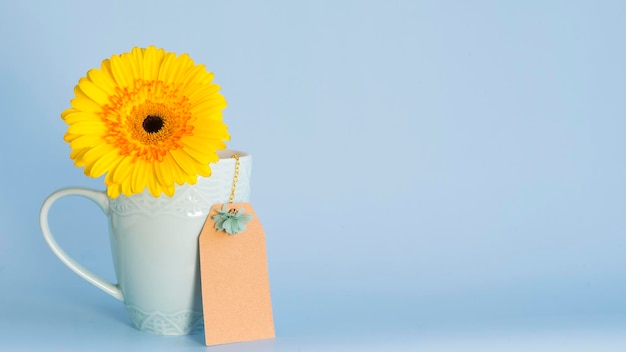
(152, 123)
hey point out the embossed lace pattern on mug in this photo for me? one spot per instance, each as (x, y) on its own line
(189, 200)
(181, 323)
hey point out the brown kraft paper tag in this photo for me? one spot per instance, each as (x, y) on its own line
(235, 283)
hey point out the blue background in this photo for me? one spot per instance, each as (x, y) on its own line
(431, 175)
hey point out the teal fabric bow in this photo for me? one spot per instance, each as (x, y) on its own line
(231, 221)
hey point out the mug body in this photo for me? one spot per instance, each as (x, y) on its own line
(154, 243)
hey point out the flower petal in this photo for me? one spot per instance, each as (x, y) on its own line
(102, 80)
(183, 161)
(153, 183)
(93, 91)
(83, 103)
(139, 177)
(113, 191)
(72, 116)
(123, 170)
(103, 164)
(169, 165)
(121, 72)
(98, 152)
(87, 127)
(85, 141)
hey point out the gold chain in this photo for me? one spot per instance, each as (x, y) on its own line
(235, 179)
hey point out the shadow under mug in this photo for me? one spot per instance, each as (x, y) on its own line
(154, 244)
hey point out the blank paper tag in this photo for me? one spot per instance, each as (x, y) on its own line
(235, 283)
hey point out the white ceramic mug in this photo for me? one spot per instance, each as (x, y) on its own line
(154, 243)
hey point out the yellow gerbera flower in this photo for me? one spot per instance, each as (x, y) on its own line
(147, 118)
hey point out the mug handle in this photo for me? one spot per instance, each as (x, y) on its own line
(102, 200)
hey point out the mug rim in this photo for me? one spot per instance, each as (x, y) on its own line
(226, 154)
(225, 160)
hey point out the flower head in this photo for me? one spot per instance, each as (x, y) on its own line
(146, 118)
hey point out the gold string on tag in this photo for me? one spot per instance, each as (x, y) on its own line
(232, 221)
(235, 178)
